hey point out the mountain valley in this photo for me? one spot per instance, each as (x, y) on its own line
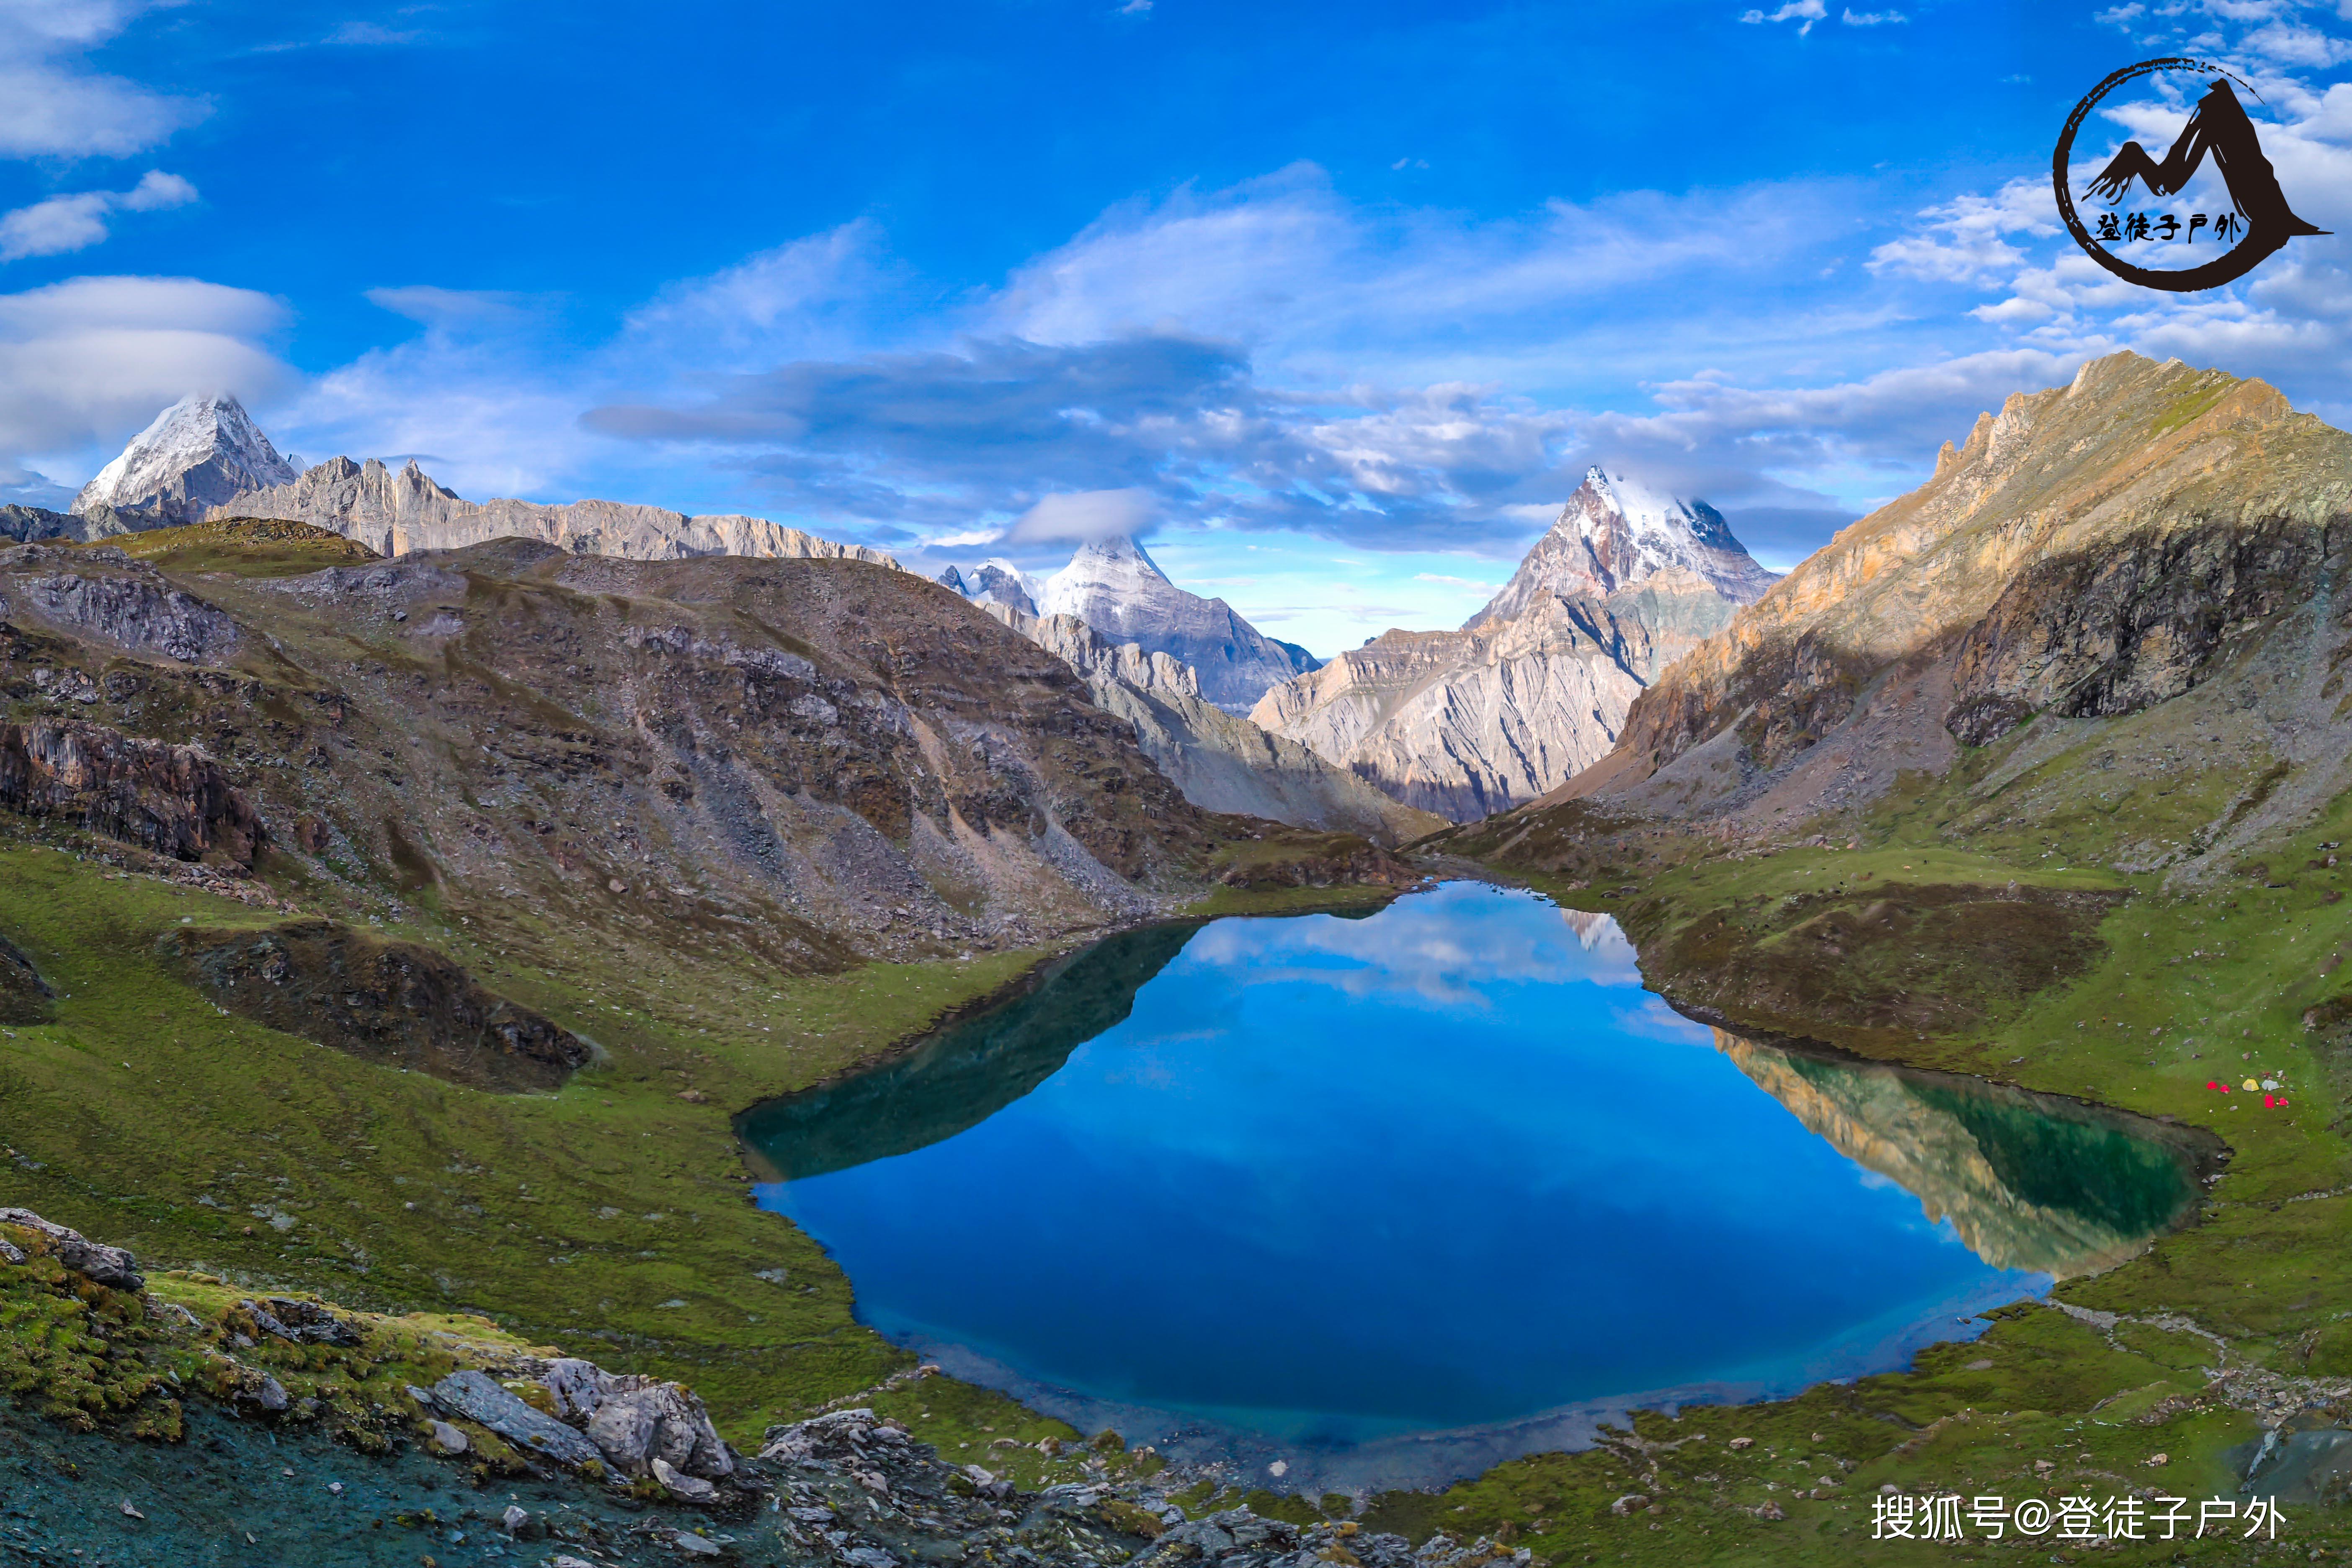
(407, 929)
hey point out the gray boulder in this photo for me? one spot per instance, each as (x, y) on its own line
(111, 1266)
(479, 1398)
(635, 1421)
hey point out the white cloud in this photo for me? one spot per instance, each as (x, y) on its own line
(86, 362)
(68, 223)
(56, 107)
(1084, 516)
(1966, 239)
(1871, 18)
(1806, 12)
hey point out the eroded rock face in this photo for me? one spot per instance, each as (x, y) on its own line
(393, 1002)
(173, 800)
(2115, 630)
(133, 609)
(1466, 723)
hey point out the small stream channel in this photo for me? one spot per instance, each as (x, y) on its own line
(1385, 1200)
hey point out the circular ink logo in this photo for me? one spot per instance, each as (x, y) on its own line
(2207, 214)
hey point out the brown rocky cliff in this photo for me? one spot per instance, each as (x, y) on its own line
(2069, 525)
(173, 800)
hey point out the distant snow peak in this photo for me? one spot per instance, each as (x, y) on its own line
(197, 454)
(1617, 531)
(1117, 567)
(1113, 584)
(995, 581)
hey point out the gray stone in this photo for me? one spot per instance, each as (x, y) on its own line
(693, 1545)
(691, 1488)
(449, 1440)
(475, 1396)
(633, 1420)
(111, 1266)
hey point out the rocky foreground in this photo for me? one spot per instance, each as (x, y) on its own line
(181, 1422)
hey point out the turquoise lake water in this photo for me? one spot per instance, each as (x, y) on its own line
(1381, 1200)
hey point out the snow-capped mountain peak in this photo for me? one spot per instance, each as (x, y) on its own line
(197, 454)
(1115, 586)
(1617, 531)
(1116, 568)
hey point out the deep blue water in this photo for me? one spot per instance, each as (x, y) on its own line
(1335, 1181)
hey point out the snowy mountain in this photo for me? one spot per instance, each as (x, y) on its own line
(1535, 688)
(1120, 591)
(198, 453)
(999, 582)
(1614, 533)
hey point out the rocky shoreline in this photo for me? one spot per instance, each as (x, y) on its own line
(276, 1429)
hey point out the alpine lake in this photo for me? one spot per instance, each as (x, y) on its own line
(1372, 1201)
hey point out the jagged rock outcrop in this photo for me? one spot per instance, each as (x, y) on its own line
(2090, 550)
(200, 452)
(1222, 761)
(391, 1002)
(1534, 687)
(112, 1266)
(1120, 591)
(637, 1421)
(134, 608)
(173, 800)
(395, 513)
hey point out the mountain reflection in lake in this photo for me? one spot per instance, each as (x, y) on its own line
(1394, 1198)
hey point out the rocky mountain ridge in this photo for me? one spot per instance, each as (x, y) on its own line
(2091, 551)
(395, 513)
(847, 759)
(1535, 688)
(1220, 760)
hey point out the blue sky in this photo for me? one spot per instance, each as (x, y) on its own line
(1342, 298)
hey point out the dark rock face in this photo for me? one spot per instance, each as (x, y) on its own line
(393, 1002)
(136, 610)
(30, 524)
(2113, 632)
(173, 800)
(302, 1322)
(24, 995)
